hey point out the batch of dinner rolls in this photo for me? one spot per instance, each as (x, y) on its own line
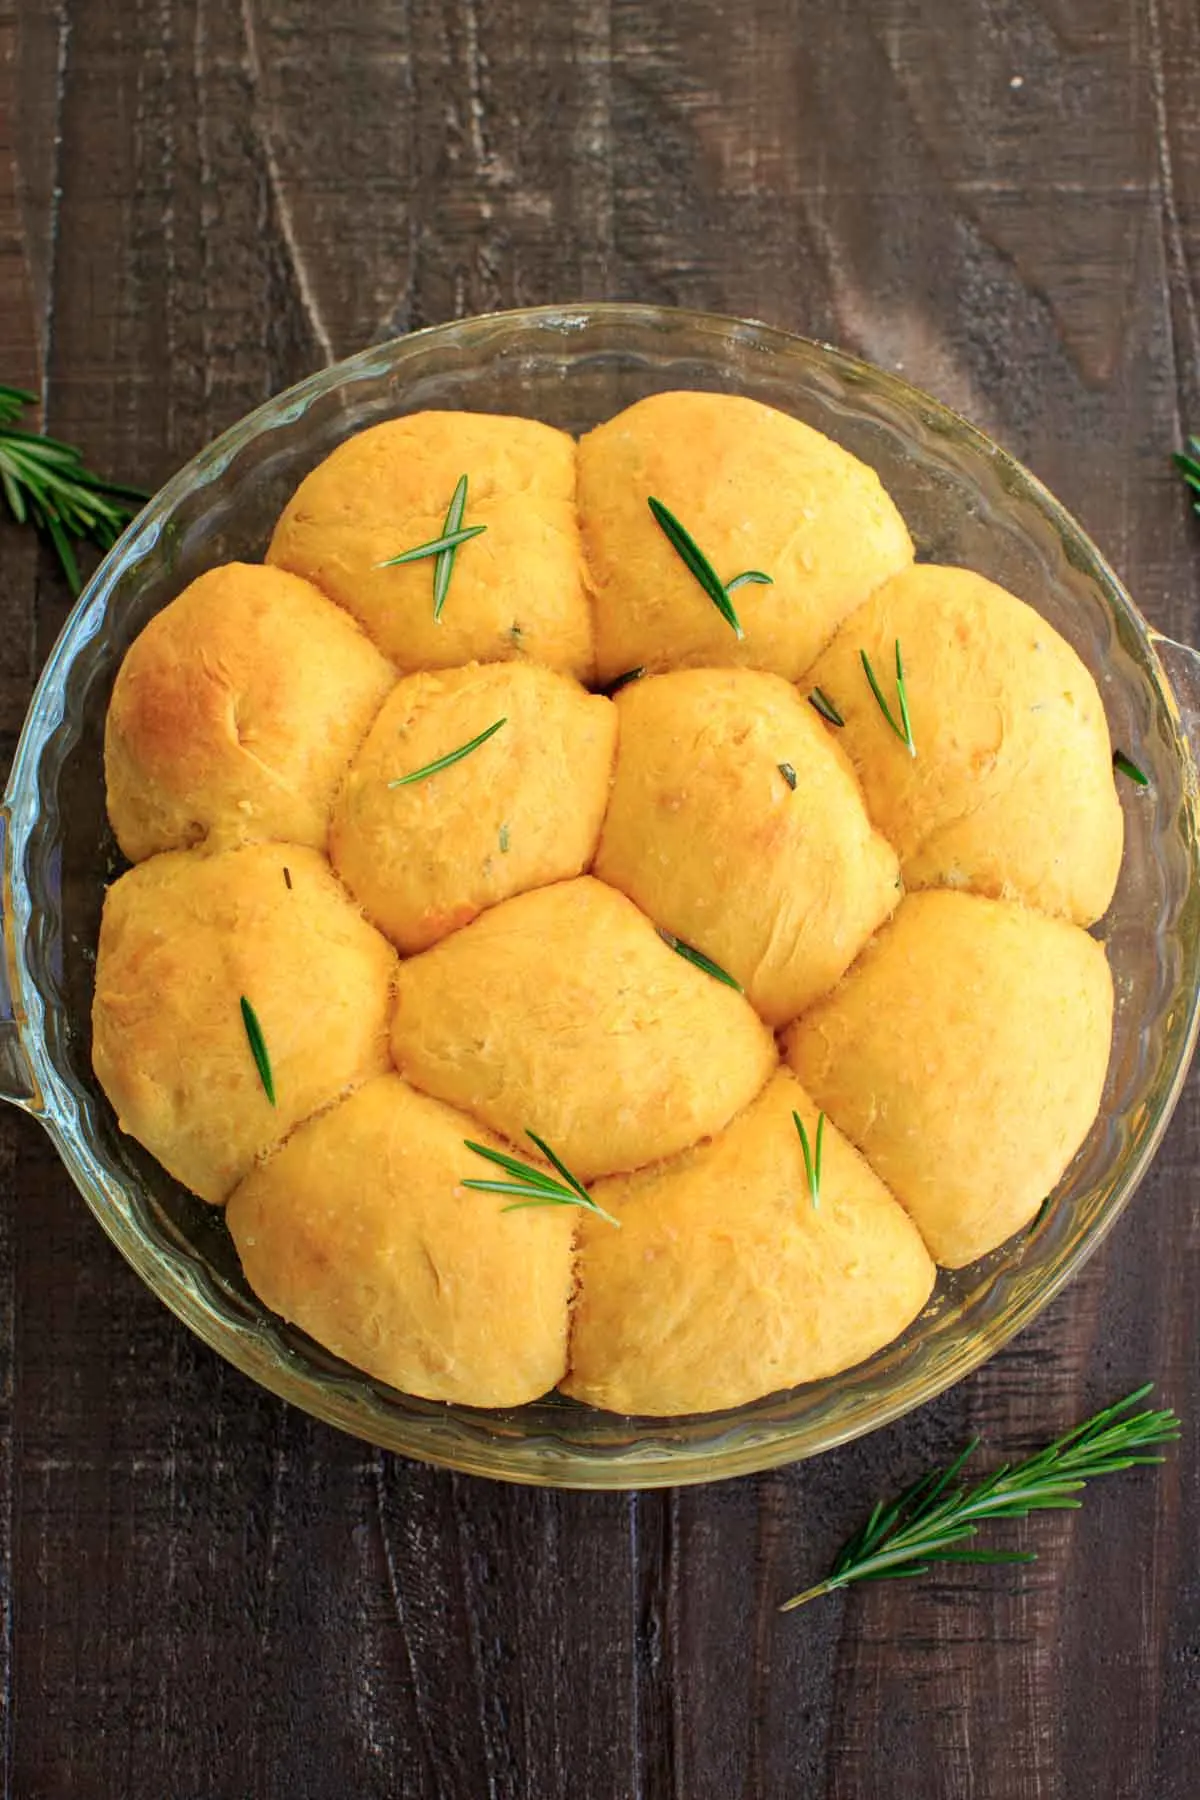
(602, 916)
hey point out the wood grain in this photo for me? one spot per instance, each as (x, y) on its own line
(208, 1595)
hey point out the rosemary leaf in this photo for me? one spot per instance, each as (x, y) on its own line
(287, 878)
(1042, 1212)
(1124, 766)
(935, 1520)
(902, 696)
(559, 1164)
(504, 839)
(443, 568)
(614, 687)
(812, 1156)
(695, 561)
(532, 1186)
(15, 498)
(699, 959)
(449, 540)
(824, 705)
(788, 773)
(903, 730)
(452, 756)
(755, 576)
(1188, 464)
(258, 1048)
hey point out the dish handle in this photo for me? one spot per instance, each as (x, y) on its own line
(1182, 664)
(17, 1083)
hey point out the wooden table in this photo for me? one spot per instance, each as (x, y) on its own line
(208, 1595)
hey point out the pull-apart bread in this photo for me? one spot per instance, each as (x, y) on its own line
(603, 917)
(518, 588)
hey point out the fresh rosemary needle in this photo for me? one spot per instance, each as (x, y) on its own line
(788, 773)
(623, 680)
(699, 959)
(449, 540)
(938, 1517)
(532, 1186)
(812, 1156)
(1188, 463)
(443, 568)
(46, 484)
(903, 730)
(258, 1049)
(1125, 766)
(451, 757)
(824, 705)
(694, 560)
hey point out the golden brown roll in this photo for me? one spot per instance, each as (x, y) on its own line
(737, 823)
(522, 810)
(359, 1231)
(726, 1281)
(563, 1012)
(757, 490)
(235, 713)
(183, 938)
(1010, 793)
(516, 591)
(965, 1056)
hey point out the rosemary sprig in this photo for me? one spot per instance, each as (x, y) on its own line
(451, 757)
(532, 1186)
(1188, 463)
(824, 705)
(934, 1519)
(904, 730)
(258, 1049)
(699, 959)
(694, 560)
(788, 773)
(444, 548)
(46, 484)
(1125, 766)
(812, 1156)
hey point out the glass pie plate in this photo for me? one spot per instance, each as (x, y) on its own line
(965, 501)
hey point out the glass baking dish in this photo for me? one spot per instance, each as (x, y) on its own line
(965, 501)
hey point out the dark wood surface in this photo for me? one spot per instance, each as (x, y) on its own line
(206, 1594)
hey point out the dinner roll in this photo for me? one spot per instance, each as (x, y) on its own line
(737, 823)
(521, 810)
(727, 1280)
(235, 713)
(1011, 790)
(515, 591)
(563, 1012)
(360, 1231)
(756, 490)
(183, 938)
(965, 1055)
